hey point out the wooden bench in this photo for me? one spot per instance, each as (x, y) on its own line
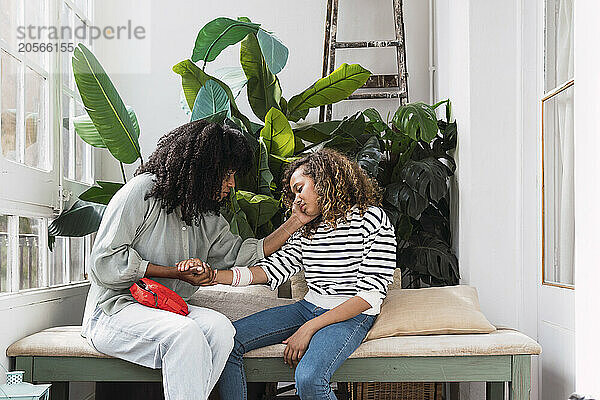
(60, 355)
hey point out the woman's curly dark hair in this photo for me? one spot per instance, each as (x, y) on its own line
(340, 184)
(190, 164)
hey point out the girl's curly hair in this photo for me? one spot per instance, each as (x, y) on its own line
(340, 184)
(190, 164)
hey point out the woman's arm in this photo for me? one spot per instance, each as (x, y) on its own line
(298, 342)
(191, 276)
(278, 237)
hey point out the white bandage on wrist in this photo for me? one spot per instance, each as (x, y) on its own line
(241, 276)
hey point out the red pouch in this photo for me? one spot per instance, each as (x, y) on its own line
(152, 294)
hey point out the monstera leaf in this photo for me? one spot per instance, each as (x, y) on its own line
(81, 219)
(337, 86)
(428, 255)
(258, 207)
(264, 91)
(105, 107)
(102, 193)
(218, 34)
(405, 199)
(87, 131)
(428, 177)
(274, 52)
(416, 118)
(193, 78)
(369, 156)
(277, 134)
(211, 103)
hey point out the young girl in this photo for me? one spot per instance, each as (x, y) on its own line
(348, 253)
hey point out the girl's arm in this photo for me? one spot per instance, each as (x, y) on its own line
(298, 342)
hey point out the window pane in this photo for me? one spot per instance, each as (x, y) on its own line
(9, 77)
(66, 136)
(9, 17)
(81, 170)
(56, 273)
(76, 259)
(4, 285)
(35, 15)
(558, 43)
(66, 26)
(559, 211)
(36, 143)
(29, 256)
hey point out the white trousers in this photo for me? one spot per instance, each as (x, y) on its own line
(191, 350)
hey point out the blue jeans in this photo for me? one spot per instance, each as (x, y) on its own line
(327, 350)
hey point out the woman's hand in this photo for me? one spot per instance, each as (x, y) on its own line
(297, 344)
(302, 217)
(196, 272)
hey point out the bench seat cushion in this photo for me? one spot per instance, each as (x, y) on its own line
(66, 341)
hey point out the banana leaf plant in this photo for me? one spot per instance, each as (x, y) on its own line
(108, 123)
(255, 207)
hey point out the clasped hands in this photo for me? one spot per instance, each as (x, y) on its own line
(196, 272)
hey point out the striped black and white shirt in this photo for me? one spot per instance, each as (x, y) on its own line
(357, 258)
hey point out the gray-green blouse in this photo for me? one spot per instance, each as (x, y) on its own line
(135, 232)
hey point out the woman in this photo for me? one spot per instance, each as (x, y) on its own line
(167, 213)
(348, 254)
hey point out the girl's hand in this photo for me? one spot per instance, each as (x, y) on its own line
(302, 217)
(297, 345)
(196, 272)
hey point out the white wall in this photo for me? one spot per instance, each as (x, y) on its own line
(587, 193)
(153, 89)
(487, 65)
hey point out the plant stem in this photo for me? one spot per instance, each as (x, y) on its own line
(123, 172)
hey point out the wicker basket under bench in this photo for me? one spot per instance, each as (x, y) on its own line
(60, 355)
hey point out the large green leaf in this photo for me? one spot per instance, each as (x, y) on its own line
(337, 86)
(349, 137)
(193, 78)
(405, 199)
(278, 134)
(264, 91)
(217, 35)
(211, 100)
(416, 118)
(428, 255)
(428, 177)
(238, 222)
(233, 77)
(274, 52)
(258, 207)
(316, 133)
(87, 131)
(81, 219)
(278, 164)
(102, 193)
(105, 107)
(369, 156)
(264, 175)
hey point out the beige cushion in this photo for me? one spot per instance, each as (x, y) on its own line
(66, 341)
(430, 311)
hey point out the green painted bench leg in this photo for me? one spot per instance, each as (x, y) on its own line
(25, 364)
(520, 385)
(494, 391)
(59, 391)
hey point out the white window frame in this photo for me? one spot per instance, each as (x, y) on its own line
(548, 227)
(37, 193)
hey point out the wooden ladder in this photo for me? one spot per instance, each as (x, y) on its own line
(378, 86)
